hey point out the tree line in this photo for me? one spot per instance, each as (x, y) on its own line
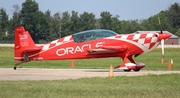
(43, 27)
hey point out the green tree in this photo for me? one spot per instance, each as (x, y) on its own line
(4, 22)
(42, 27)
(4, 25)
(87, 21)
(126, 27)
(65, 24)
(75, 22)
(173, 15)
(97, 24)
(48, 26)
(116, 24)
(105, 20)
(30, 18)
(15, 20)
(152, 23)
(56, 26)
(178, 32)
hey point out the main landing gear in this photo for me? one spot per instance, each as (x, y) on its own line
(136, 69)
(127, 67)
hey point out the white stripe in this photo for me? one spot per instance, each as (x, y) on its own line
(157, 43)
(124, 36)
(136, 36)
(59, 43)
(154, 39)
(18, 57)
(140, 64)
(149, 35)
(147, 45)
(55, 41)
(122, 68)
(141, 41)
(46, 46)
(67, 38)
(130, 64)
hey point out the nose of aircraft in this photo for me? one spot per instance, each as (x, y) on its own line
(164, 36)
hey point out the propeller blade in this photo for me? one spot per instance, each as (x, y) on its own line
(160, 25)
(162, 41)
(162, 47)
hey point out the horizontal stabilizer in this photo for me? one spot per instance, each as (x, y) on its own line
(32, 50)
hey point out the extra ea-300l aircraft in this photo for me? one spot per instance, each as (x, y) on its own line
(97, 43)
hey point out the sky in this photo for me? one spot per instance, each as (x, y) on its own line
(126, 9)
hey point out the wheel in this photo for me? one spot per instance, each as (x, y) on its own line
(14, 67)
(136, 69)
(127, 70)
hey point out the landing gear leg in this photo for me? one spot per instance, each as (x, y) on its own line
(124, 59)
(132, 61)
(123, 66)
(26, 59)
(15, 66)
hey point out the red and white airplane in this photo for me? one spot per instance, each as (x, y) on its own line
(98, 43)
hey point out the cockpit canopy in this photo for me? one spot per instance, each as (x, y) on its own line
(92, 35)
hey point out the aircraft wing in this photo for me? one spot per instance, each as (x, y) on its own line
(108, 49)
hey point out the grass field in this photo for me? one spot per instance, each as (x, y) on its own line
(151, 86)
(151, 59)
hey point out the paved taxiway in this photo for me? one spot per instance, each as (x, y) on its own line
(59, 74)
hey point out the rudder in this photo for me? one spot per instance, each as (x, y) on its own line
(23, 42)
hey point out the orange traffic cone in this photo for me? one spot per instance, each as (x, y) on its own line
(111, 74)
(72, 64)
(162, 61)
(169, 65)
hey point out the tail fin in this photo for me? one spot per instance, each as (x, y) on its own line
(23, 43)
(22, 38)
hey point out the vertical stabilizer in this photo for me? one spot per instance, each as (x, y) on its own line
(23, 42)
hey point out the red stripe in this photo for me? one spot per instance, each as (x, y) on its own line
(119, 36)
(52, 44)
(130, 37)
(143, 36)
(71, 38)
(60, 40)
(147, 40)
(135, 40)
(151, 45)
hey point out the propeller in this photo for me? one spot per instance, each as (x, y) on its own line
(162, 46)
(162, 42)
